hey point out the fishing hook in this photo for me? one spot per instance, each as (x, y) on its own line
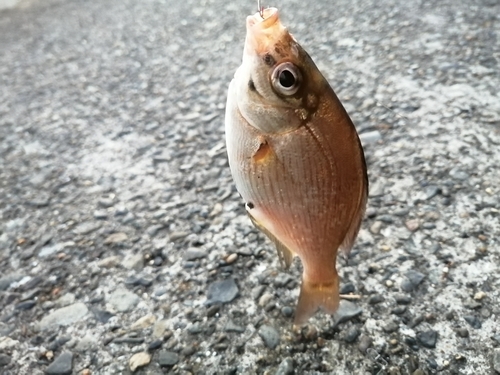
(260, 8)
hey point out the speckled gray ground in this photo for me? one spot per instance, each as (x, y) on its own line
(118, 213)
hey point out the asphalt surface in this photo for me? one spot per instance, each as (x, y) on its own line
(125, 247)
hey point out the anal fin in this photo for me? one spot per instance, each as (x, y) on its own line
(285, 255)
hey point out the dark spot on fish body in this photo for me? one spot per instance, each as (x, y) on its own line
(251, 85)
(250, 205)
(269, 60)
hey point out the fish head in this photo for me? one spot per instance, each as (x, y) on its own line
(277, 86)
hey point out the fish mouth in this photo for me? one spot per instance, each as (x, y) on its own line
(268, 18)
(263, 31)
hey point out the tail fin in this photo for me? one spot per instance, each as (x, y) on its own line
(314, 296)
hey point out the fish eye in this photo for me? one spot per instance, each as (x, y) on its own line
(286, 79)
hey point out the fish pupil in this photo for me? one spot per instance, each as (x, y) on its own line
(287, 79)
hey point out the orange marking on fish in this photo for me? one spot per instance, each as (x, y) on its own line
(263, 152)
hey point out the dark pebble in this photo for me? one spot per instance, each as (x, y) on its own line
(286, 367)
(416, 321)
(128, 340)
(286, 311)
(212, 310)
(462, 332)
(364, 343)
(27, 305)
(351, 334)
(188, 351)
(391, 327)
(195, 329)
(403, 299)
(411, 342)
(194, 253)
(166, 358)
(135, 281)
(473, 321)
(427, 339)
(4, 359)
(399, 310)
(155, 344)
(347, 310)
(37, 340)
(102, 315)
(282, 279)
(450, 315)
(376, 299)
(222, 291)
(270, 336)
(231, 327)
(432, 363)
(62, 365)
(347, 288)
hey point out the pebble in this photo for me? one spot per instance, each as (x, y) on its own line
(86, 227)
(347, 288)
(376, 227)
(134, 262)
(462, 332)
(155, 345)
(270, 336)
(412, 280)
(403, 299)
(347, 311)
(287, 311)
(109, 262)
(102, 315)
(5, 281)
(286, 367)
(166, 358)
(212, 310)
(473, 321)
(428, 339)
(496, 359)
(62, 365)
(222, 291)
(26, 305)
(479, 296)
(116, 238)
(231, 327)
(64, 316)
(4, 359)
(144, 322)
(139, 360)
(146, 281)
(370, 137)
(364, 343)
(351, 334)
(123, 300)
(391, 327)
(194, 253)
(160, 328)
(376, 299)
(230, 259)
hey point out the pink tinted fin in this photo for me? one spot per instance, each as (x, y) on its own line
(350, 237)
(285, 255)
(315, 296)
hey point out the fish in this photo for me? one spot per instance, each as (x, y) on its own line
(295, 158)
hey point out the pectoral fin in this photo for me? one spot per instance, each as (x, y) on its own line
(285, 255)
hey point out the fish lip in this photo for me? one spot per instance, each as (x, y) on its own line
(268, 19)
(262, 32)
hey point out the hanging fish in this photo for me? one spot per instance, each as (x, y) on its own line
(295, 158)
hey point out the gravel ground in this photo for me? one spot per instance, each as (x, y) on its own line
(124, 245)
